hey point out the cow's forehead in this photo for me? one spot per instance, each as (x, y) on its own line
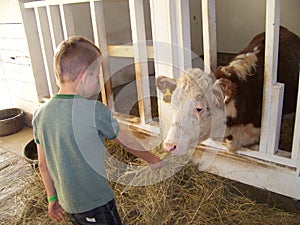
(195, 86)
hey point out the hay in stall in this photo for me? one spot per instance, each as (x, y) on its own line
(183, 196)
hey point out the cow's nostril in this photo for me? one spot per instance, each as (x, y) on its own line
(198, 109)
(170, 147)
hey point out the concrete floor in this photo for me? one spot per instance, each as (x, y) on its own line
(15, 143)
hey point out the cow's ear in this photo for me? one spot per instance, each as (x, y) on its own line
(227, 87)
(166, 85)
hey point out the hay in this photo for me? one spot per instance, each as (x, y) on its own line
(23, 196)
(187, 197)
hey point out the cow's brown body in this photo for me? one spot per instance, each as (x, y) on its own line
(248, 93)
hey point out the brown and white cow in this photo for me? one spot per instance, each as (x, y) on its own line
(199, 99)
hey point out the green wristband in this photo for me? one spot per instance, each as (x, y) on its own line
(52, 198)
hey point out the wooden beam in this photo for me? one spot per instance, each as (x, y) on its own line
(46, 47)
(44, 3)
(209, 35)
(35, 52)
(258, 173)
(99, 29)
(296, 138)
(163, 54)
(137, 22)
(270, 78)
(127, 51)
(180, 23)
(55, 24)
(67, 21)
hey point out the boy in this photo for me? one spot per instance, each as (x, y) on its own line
(69, 131)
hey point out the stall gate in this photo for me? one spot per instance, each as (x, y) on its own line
(49, 22)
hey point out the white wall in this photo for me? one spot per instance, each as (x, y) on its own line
(238, 21)
(17, 83)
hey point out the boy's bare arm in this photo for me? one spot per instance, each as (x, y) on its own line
(133, 146)
(54, 207)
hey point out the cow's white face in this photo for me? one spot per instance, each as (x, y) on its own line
(198, 109)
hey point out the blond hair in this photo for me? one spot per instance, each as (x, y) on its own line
(73, 57)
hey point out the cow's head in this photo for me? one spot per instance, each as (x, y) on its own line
(198, 109)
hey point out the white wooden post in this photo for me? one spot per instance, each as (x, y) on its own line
(209, 35)
(67, 20)
(46, 47)
(99, 29)
(296, 138)
(55, 23)
(181, 34)
(137, 22)
(272, 99)
(35, 52)
(170, 21)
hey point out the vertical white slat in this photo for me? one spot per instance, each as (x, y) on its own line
(209, 35)
(137, 21)
(46, 47)
(271, 57)
(162, 37)
(67, 21)
(275, 117)
(35, 52)
(180, 19)
(296, 138)
(55, 24)
(99, 29)
(163, 54)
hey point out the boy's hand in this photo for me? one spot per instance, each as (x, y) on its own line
(55, 211)
(155, 162)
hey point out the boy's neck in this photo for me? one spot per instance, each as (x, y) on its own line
(67, 88)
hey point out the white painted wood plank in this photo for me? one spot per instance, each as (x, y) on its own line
(265, 175)
(18, 72)
(163, 54)
(275, 117)
(44, 3)
(55, 25)
(162, 36)
(209, 35)
(99, 30)
(137, 21)
(181, 34)
(296, 138)
(16, 44)
(35, 52)
(15, 57)
(127, 51)
(15, 30)
(67, 21)
(28, 105)
(130, 121)
(46, 47)
(268, 157)
(22, 90)
(271, 57)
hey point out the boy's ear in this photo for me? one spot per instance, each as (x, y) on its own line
(82, 77)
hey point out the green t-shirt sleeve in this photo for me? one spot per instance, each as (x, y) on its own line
(106, 124)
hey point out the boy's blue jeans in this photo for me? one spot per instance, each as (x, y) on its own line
(106, 214)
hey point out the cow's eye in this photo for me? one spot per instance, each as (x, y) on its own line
(199, 109)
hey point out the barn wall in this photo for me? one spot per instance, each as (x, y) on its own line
(238, 21)
(17, 85)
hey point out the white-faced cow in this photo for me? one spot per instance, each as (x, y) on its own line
(199, 98)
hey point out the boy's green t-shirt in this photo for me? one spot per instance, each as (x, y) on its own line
(71, 131)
